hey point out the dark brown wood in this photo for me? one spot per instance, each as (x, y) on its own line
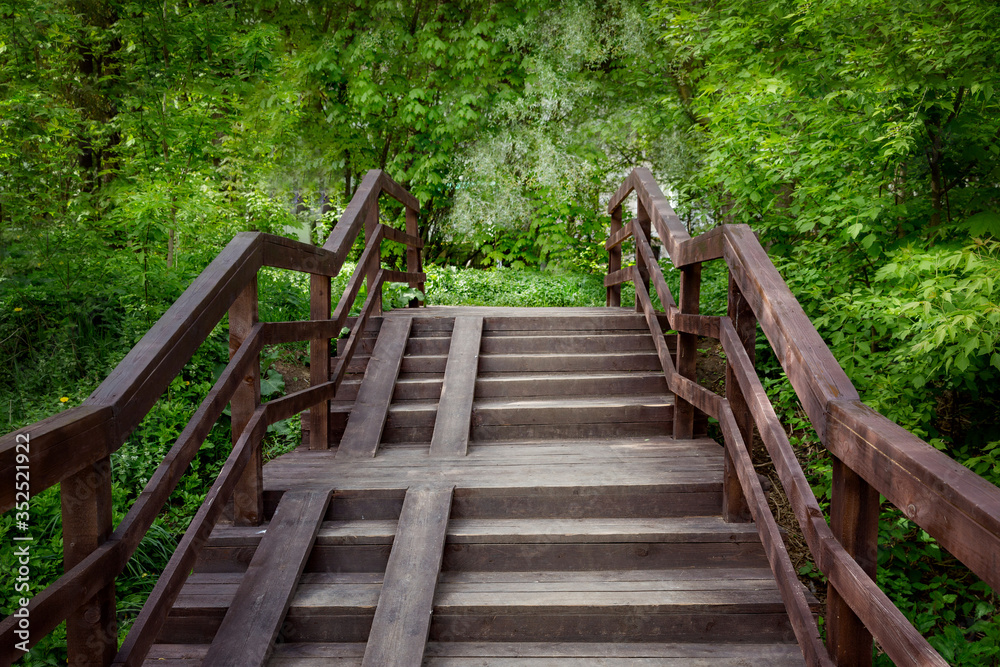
(734, 504)
(701, 325)
(696, 395)
(146, 372)
(91, 630)
(662, 352)
(347, 228)
(792, 592)
(364, 428)
(641, 227)
(168, 586)
(620, 276)
(413, 262)
(687, 348)
(810, 366)
(319, 354)
(619, 236)
(403, 616)
(373, 230)
(393, 234)
(454, 413)
(662, 290)
(854, 510)
(390, 276)
(247, 633)
(396, 191)
(894, 632)
(282, 252)
(87, 431)
(950, 502)
(614, 290)
(248, 498)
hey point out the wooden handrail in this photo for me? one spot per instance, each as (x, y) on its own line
(950, 502)
(98, 427)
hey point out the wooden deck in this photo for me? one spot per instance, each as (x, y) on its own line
(501, 489)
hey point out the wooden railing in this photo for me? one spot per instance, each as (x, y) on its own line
(74, 447)
(871, 455)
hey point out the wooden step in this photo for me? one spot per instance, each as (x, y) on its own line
(691, 605)
(568, 344)
(522, 385)
(556, 363)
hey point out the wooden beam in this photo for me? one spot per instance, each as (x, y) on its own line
(734, 504)
(397, 236)
(640, 227)
(620, 276)
(454, 414)
(413, 259)
(91, 630)
(613, 298)
(403, 616)
(319, 361)
(373, 230)
(247, 633)
(618, 237)
(248, 499)
(364, 427)
(687, 348)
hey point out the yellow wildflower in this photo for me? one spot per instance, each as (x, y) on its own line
(18, 310)
(64, 399)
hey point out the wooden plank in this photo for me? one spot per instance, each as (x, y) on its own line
(246, 636)
(791, 589)
(744, 324)
(646, 654)
(387, 185)
(620, 276)
(397, 236)
(619, 236)
(687, 348)
(854, 512)
(895, 634)
(142, 377)
(86, 430)
(346, 230)
(168, 585)
(373, 230)
(319, 355)
(454, 411)
(91, 629)
(413, 261)
(284, 253)
(641, 229)
(402, 618)
(364, 428)
(248, 500)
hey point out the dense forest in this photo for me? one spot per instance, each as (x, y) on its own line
(860, 140)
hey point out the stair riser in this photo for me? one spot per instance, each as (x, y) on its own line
(619, 624)
(531, 386)
(578, 344)
(526, 363)
(586, 503)
(509, 433)
(517, 415)
(600, 556)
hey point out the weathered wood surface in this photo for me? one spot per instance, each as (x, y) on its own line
(454, 412)
(247, 633)
(247, 498)
(687, 344)
(403, 616)
(364, 428)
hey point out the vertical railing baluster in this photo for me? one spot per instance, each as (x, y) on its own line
(734, 503)
(614, 295)
(854, 510)
(91, 630)
(248, 499)
(413, 263)
(642, 224)
(687, 349)
(371, 271)
(319, 361)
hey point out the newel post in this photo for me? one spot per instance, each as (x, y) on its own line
(687, 349)
(319, 361)
(734, 503)
(413, 263)
(91, 630)
(854, 510)
(614, 297)
(642, 223)
(248, 498)
(371, 271)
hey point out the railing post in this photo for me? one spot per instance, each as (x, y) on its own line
(91, 630)
(854, 510)
(642, 221)
(371, 271)
(734, 503)
(614, 297)
(413, 264)
(319, 361)
(248, 498)
(687, 349)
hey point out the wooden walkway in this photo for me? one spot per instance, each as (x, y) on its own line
(501, 489)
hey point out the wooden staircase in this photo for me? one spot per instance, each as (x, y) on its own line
(549, 520)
